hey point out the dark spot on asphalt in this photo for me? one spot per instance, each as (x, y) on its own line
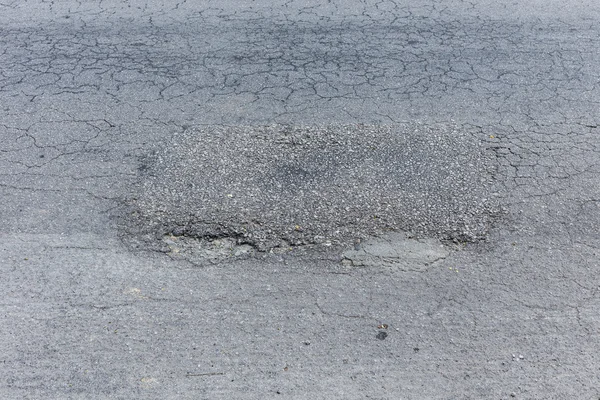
(381, 335)
(143, 168)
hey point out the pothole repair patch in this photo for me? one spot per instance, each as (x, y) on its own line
(399, 250)
(282, 186)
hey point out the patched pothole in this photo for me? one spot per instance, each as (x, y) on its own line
(220, 189)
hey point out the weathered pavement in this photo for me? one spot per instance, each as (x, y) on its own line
(89, 90)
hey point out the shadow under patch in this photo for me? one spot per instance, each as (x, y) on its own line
(280, 186)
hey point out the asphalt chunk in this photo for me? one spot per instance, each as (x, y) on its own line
(282, 186)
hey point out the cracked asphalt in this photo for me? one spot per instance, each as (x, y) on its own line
(88, 90)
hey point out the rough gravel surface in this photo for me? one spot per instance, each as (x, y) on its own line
(277, 185)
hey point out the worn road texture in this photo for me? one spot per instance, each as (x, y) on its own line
(278, 186)
(102, 101)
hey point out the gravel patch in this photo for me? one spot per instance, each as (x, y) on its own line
(281, 186)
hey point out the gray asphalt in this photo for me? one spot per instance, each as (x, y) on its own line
(101, 107)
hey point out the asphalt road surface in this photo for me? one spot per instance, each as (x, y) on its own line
(299, 199)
